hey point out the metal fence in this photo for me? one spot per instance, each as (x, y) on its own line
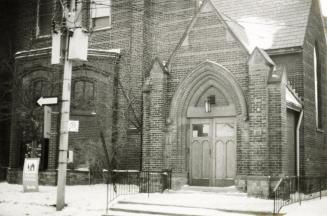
(128, 182)
(294, 189)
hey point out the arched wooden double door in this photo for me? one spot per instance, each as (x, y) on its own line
(212, 151)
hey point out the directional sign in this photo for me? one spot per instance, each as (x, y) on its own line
(47, 100)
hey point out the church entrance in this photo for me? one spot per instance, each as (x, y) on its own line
(212, 151)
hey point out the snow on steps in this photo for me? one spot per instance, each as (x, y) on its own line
(197, 201)
(231, 190)
(123, 208)
(126, 209)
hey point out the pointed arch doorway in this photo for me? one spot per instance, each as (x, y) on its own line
(209, 136)
(212, 136)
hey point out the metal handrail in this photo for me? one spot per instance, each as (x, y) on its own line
(129, 182)
(292, 189)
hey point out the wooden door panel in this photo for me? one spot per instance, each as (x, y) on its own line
(206, 160)
(196, 159)
(225, 136)
(231, 159)
(220, 164)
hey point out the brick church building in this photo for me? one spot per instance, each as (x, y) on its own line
(222, 92)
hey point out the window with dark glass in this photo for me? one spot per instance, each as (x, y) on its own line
(40, 88)
(44, 16)
(83, 94)
(200, 130)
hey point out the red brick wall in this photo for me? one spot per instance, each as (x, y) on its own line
(88, 150)
(208, 40)
(152, 28)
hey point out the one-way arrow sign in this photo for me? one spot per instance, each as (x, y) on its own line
(47, 100)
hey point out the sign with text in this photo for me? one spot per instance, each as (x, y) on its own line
(73, 126)
(31, 175)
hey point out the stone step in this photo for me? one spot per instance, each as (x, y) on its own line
(231, 190)
(130, 208)
(125, 208)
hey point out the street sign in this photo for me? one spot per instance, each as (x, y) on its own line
(47, 122)
(73, 126)
(47, 100)
(30, 175)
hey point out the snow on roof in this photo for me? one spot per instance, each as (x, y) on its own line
(269, 24)
(292, 100)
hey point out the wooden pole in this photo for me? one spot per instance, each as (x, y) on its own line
(63, 141)
(64, 121)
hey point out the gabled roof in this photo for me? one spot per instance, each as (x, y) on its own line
(269, 24)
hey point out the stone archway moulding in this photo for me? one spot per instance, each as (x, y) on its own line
(204, 75)
(207, 73)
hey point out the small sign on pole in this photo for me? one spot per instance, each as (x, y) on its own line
(73, 126)
(70, 158)
(31, 175)
(47, 122)
(47, 101)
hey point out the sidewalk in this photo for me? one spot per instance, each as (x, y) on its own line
(90, 200)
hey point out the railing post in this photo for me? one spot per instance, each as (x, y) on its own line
(170, 177)
(148, 179)
(299, 189)
(274, 203)
(320, 187)
(107, 197)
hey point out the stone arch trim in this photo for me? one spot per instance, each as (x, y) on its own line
(204, 75)
(210, 74)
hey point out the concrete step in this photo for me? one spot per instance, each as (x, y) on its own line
(191, 200)
(130, 208)
(231, 190)
(125, 208)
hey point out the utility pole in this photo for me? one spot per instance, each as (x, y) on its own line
(65, 112)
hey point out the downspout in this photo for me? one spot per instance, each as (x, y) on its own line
(298, 152)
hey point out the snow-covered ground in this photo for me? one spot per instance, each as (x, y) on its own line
(314, 207)
(91, 200)
(81, 200)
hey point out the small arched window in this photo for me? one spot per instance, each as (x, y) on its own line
(83, 94)
(317, 86)
(39, 87)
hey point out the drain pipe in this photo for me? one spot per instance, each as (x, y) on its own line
(298, 152)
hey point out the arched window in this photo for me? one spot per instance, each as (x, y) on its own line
(40, 88)
(83, 94)
(317, 86)
(44, 16)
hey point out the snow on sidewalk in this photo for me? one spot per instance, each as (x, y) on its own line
(81, 200)
(90, 200)
(314, 207)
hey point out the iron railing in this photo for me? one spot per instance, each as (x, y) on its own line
(292, 189)
(129, 182)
